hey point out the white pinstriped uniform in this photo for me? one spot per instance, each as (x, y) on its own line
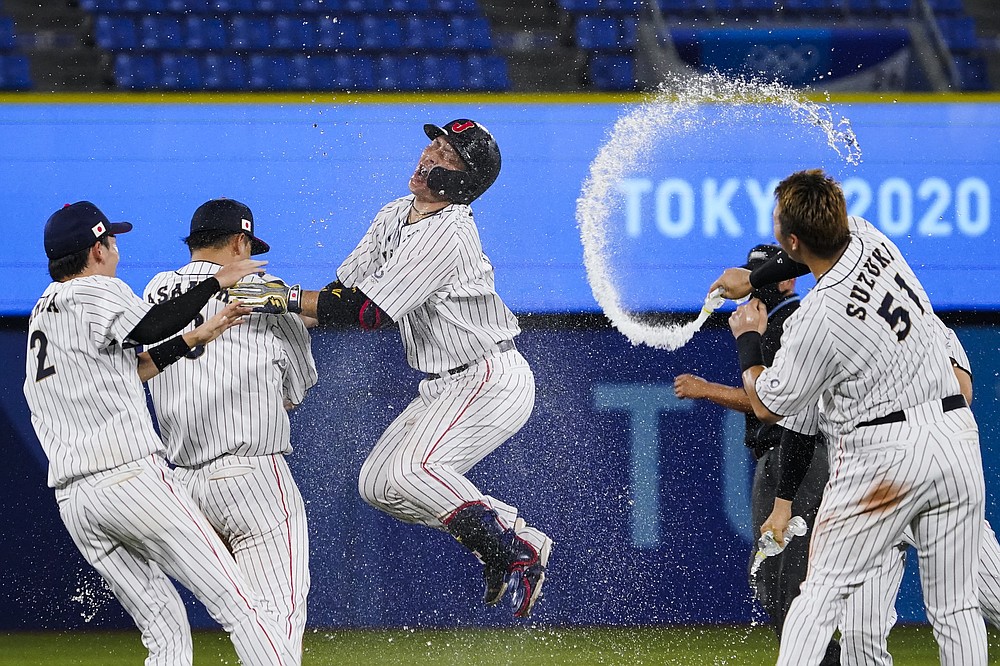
(222, 417)
(117, 497)
(870, 612)
(434, 280)
(866, 343)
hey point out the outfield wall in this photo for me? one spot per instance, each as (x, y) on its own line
(645, 496)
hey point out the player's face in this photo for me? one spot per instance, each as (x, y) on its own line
(438, 153)
(783, 240)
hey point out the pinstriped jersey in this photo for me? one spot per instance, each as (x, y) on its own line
(865, 339)
(433, 278)
(82, 384)
(228, 396)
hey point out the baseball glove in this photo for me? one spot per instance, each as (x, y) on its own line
(271, 297)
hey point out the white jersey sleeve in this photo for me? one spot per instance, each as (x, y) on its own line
(803, 366)
(805, 422)
(110, 308)
(300, 372)
(956, 351)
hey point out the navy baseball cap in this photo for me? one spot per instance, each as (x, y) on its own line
(228, 215)
(77, 226)
(760, 254)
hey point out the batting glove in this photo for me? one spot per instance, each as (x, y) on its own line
(271, 297)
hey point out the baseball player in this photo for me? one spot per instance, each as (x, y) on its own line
(870, 613)
(117, 497)
(421, 264)
(222, 417)
(866, 343)
(777, 581)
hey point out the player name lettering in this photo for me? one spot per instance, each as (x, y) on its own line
(166, 292)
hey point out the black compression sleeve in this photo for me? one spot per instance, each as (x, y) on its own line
(168, 352)
(344, 307)
(777, 268)
(166, 318)
(749, 351)
(795, 454)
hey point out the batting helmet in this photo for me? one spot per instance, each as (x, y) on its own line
(480, 152)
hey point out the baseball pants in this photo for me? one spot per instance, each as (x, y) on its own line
(135, 525)
(255, 506)
(416, 470)
(925, 473)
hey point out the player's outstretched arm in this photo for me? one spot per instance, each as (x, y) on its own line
(154, 360)
(734, 282)
(697, 388)
(334, 305)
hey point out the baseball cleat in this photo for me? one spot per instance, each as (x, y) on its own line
(526, 579)
(496, 584)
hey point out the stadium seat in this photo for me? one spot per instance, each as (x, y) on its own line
(8, 40)
(15, 73)
(300, 74)
(115, 33)
(276, 6)
(360, 70)
(629, 7)
(959, 32)
(455, 6)
(205, 33)
(580, 6)
(179, 72)
(338, 33)
(408, 7)
(972, 73)
(606, 33)
(268, 71)
(612, 72)
(381, 34)
(223, 72)
(293, 33)
(485, 72)
(231, 6)
(249, 33)
(364, 6)
(442, 72)
(135, 72)
(468, 34)
(159, 33)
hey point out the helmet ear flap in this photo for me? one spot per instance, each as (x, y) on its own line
(456, 186)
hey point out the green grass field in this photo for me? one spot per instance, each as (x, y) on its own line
(911, 646)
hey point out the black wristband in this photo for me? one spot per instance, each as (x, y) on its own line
(168, 352)
(748, 348)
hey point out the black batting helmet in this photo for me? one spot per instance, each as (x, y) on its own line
(480, 152)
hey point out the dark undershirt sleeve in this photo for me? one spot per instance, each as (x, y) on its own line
(794, 457)
(166, 318)
(777, 268)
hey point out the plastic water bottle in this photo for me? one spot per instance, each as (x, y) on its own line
(767, 544)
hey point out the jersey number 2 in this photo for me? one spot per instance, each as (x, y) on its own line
(43, 370)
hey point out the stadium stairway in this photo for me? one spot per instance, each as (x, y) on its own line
(54, 36)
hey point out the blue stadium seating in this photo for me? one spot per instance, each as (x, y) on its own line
(381, 33)
(160, 33)
(8, 40)
(136, 72)
(468, 34)
(606, 33)
(612, 72)
(223, 72)
(959, 32)
(115, 33)
(179, 72)
(249, 33)
(205, 33)
(15, 72)
(335, 34)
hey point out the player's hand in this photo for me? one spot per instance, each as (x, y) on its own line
(230, 274)
(735, 283)
(690, 386)
(271, 297)
(751, 316)
(229, 316)
(777, 522)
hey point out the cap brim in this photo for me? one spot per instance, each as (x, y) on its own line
(115, 228)
(257, 246)
(433, 131)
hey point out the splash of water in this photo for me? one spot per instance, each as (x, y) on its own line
(676, 109)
